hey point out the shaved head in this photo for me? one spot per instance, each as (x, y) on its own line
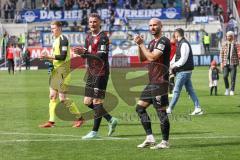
(156, 20)
(155, 27)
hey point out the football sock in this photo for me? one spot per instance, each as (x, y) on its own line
(164, 123)
(215, 90)
(145, 119)
(52, 107)
(99, 112)
(107, 116)
(211, 90)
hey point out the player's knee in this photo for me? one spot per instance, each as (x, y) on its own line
(142, 103)
(97, 101)
(87, 101)
(140, 109)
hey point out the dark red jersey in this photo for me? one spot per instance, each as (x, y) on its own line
(158, 69)
(10, 53)
(98, 48)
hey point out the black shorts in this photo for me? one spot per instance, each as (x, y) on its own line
(96, 86)
(155, 95)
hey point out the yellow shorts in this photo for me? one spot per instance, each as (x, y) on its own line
(59, 79)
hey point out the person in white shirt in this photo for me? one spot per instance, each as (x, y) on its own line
(183, 67)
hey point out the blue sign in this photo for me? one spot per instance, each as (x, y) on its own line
(39, 15)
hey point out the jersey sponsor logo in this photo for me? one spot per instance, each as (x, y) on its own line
(103, 48)
(160, 46)
(64, 48)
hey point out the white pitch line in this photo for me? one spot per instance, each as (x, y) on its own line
(54, 135)
(60, 140)
(206, 137)
(107, 138)
(39, 134)
(78, 138)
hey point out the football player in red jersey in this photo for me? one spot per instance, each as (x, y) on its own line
(96, 51)
(156, 92)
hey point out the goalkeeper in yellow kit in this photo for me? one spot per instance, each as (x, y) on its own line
(60, 75)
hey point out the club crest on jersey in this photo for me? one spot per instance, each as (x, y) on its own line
(95, 41)
(103, 47)
(160, 46)
(90, 49)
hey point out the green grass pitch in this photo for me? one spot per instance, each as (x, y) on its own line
(24, 105)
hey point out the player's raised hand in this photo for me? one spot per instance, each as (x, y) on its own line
(79, 50)
(138, 39)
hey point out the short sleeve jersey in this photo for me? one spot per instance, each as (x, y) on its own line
(158, 69)
(98, 47)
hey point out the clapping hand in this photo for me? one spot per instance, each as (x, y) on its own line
(79, 50)
(138, 39)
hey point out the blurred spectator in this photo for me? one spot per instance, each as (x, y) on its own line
(164, 3)
(201, 10)
(94, 7)
(186, 6)
(139, 5)
(64, 23)
(171, 3)
(24, 5)
(232, 26)
(84, 20)
(4, 43)
(215, 9)
(68, 5)
(206, 43)
(27, 58)
(193, 8)
(45, 4)
(75, 5)
(6, 9)
(134, 3)
(202, 3)
(209, 7)
(148, 5)
(53, 5)
(10, 58)
(12, 10)
(18, 58)
(229, 62)
(33, 4)
(127, 4)
(120, 3)
(219, 35)
(22, 40)
(188, 16)
(221, 18)
(113, 3)
(220, 9)
(76, 27)
(112, 18)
